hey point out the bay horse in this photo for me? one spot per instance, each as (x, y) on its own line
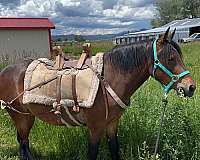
(126, 68)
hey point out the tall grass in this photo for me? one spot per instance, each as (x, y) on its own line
(180, 138)
(7, 58)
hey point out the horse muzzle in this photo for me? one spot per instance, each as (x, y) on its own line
(186, 88)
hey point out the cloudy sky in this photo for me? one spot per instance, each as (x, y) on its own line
(85, 16)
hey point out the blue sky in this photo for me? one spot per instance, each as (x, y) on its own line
(85, 16)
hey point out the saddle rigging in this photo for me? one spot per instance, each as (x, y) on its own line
(61, 64)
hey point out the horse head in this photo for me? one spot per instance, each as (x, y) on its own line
(168, 68)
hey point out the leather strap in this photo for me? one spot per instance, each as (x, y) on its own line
(85, 54)
(58, 95)
(115, 96)
(109, 89)
(58, 66)
(31, 88)
(71, 116)
(101, 79)
(105, 97)
(65, 122)
(74, 94)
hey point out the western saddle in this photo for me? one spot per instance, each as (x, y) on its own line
(61, 63)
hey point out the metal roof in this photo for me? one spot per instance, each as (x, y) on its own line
(178, 24)
(26, 23)
(184, 22)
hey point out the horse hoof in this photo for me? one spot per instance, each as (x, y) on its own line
(26, 158)
(25, 155)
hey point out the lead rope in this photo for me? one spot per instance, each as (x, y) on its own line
(162, 115)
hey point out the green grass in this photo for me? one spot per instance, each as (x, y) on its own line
(138, 126)
(75, 49)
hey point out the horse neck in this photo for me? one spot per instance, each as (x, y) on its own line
(126, 83)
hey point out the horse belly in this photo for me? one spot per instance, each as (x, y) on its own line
(45, 114)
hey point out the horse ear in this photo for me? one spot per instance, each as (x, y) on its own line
(173, 33)
(166, 34)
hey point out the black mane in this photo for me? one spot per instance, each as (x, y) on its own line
(125, 58)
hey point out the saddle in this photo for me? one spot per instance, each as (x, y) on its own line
(61, 64)
(64, 83)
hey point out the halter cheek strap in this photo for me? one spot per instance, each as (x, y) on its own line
(157, 64)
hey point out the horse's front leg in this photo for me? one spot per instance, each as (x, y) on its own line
(113, 140)
(24, 149)
(93, 144)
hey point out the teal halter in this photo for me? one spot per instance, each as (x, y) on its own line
(174, 78)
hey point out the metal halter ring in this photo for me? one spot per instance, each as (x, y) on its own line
(156, 62)
(175, 78)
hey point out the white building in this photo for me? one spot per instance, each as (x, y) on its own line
(25, 36)
(184, 28)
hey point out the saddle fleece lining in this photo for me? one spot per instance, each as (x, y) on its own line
(87, 84)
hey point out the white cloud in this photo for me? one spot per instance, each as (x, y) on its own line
(86, 16)
(83, 31)
(69, 3)
(145, 12)
(125, 11)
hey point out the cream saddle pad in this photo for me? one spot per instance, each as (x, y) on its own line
(87, 83)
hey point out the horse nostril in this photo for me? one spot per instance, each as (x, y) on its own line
(192, 88)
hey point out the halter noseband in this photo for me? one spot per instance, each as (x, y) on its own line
(174, 77)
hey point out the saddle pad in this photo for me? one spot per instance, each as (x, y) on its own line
(87, 84)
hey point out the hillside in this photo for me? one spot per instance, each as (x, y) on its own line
(99, 37)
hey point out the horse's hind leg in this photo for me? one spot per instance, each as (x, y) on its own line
(23, 124)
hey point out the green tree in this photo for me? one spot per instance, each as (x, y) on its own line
(169, 10)
(191, 8)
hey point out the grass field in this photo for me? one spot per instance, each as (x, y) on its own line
(138, 126)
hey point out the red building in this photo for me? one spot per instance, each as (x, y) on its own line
(26, 36)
